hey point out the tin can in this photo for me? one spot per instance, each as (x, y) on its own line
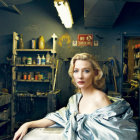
(29, 60)
(33, 44)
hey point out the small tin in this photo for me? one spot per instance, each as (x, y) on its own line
(33, 44)
(29, 60)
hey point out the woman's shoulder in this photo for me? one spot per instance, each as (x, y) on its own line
(100, 95)
(101, 98)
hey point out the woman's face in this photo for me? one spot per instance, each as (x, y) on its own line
(83, 74)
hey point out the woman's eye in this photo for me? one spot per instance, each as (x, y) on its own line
(86, 71)
(75, 71)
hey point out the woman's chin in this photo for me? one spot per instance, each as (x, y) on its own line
(81, 86)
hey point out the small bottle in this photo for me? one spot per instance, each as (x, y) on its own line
(21, 44)
(43, 60)
(29, 76)
(38, 59)
(25, 76)
(36, 76)
(48, 58)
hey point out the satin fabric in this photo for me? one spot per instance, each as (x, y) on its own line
(113, 122)
(45, 134)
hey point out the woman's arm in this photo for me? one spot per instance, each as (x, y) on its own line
(33, 124)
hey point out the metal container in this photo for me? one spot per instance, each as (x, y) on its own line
(33, 44)
(29, 60)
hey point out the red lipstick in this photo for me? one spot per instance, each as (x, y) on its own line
(80, 82)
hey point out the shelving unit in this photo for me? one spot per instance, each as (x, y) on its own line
(131, 79)
(137, 63)
(5, 117)
(136, 75)
(32, 82)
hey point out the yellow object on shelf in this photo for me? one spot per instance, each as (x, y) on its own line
(21, 44)
(41, 43)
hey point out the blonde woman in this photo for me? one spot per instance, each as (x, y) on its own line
(90, 113)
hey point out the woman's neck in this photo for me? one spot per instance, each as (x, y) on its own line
(88, 91)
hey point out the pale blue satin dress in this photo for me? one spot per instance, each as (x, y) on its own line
(113, 122)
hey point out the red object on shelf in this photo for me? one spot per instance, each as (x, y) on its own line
(25, 77)
(137, 46)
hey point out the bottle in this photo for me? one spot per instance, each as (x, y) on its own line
(43, 60)
(48, 58)
(38, 59)
(29, 76)
(21, 44)
(25, 76)
(36, 76)
(41, 43)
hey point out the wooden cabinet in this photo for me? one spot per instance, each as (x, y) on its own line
(33, 83)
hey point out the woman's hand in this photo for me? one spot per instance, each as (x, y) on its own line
(20, 133)
(33, 124)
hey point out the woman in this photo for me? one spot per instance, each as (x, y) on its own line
(90, 114)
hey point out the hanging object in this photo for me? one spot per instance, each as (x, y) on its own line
(54, 82)
(12, 4)
(64, 12)
(41, 43)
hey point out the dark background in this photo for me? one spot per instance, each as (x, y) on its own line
(40, 18)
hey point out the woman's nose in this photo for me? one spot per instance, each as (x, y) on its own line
(80, 74)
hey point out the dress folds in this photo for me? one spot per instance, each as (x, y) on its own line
(113, 122)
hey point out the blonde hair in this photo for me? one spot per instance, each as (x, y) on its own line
(98, 80)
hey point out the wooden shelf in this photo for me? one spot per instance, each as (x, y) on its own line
(5, 99)
(5, 137)
(45, 95)
(32, 80)
(32, 96)
(137, 68)
(137, 58)
(31, 65)
(33, 50)
(4, 122)
(46, 84)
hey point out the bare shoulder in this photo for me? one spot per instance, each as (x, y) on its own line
(101, 99)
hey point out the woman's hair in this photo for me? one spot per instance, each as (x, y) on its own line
(98, 80)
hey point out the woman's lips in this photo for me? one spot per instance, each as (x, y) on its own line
(80, 82)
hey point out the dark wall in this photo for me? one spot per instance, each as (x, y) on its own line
(40, 18)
